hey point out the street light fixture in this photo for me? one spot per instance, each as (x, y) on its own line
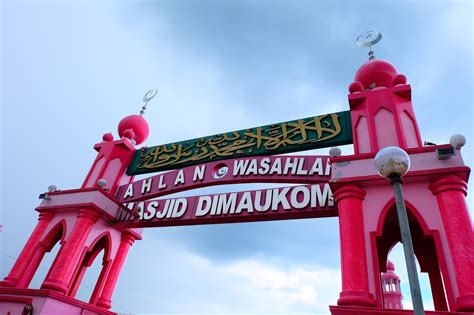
(392, 163)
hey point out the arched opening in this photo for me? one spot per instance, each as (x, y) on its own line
(402, 287)
(425, 252)
(101, 244)
(38, 268)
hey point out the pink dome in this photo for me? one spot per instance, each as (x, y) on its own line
(129, 133)
(137, 124)
(390, 265)
(376, 73)
(390, 274)
(108, 136)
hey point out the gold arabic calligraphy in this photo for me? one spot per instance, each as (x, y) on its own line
(255, 140)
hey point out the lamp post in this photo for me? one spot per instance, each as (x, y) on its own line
(392, 163)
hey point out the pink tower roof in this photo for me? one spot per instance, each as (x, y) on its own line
(138, 126)
(390, 265)
(390, 274)
(376, 73)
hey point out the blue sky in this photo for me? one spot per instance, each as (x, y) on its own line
(71, 71)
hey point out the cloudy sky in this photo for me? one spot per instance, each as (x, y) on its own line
(70, 72)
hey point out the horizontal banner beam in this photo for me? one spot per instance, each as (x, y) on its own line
(295, 202)
(296, 169)
(291, 136)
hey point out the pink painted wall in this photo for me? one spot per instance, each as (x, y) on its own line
(43, 305)
(423, 161)
(425, 167)
(415, 193)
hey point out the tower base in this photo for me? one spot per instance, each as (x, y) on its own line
(13, 301)
(353, 310)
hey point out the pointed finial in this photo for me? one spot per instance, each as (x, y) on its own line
(148, 97)
(367, 40)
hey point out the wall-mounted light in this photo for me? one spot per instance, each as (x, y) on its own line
(102, 183)
(336, 151)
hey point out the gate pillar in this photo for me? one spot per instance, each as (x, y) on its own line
(126, 242)
(355, 288)
(450, 192)
(61, 271)
(17, 272)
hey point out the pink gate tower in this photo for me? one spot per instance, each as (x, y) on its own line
(381, 114)
(434, 188)
(79, 219)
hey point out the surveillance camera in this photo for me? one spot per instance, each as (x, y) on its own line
(44, 196)
(445, 153)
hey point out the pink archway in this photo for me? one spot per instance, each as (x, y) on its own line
(102, 242)
(55, 235)
(427, 247)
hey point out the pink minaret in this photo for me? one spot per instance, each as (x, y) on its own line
(79, 220)
(392, 294)
(434, 191)
(381, 109)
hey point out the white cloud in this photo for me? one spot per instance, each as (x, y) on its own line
(194, 282)
(294, 286)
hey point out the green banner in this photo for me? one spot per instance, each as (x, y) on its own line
(291, 136)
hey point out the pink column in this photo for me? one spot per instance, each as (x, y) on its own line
(33, 265)
(59, 275)
(355, 279)
(450, 193)
(105, 299)
(22, 262)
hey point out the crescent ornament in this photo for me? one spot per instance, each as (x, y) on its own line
(368, 39)
(150, 95)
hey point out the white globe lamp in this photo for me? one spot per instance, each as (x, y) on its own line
(457, 141)
(392, 161)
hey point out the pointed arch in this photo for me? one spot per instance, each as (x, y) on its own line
(102, 242)
(362, 135)
(56, 234)
(426, 245)
(410, 131)
(384, 121)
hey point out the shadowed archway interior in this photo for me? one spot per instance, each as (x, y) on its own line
(425, 252)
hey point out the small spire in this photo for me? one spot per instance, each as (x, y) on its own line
(368, 40)
(146, 98)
